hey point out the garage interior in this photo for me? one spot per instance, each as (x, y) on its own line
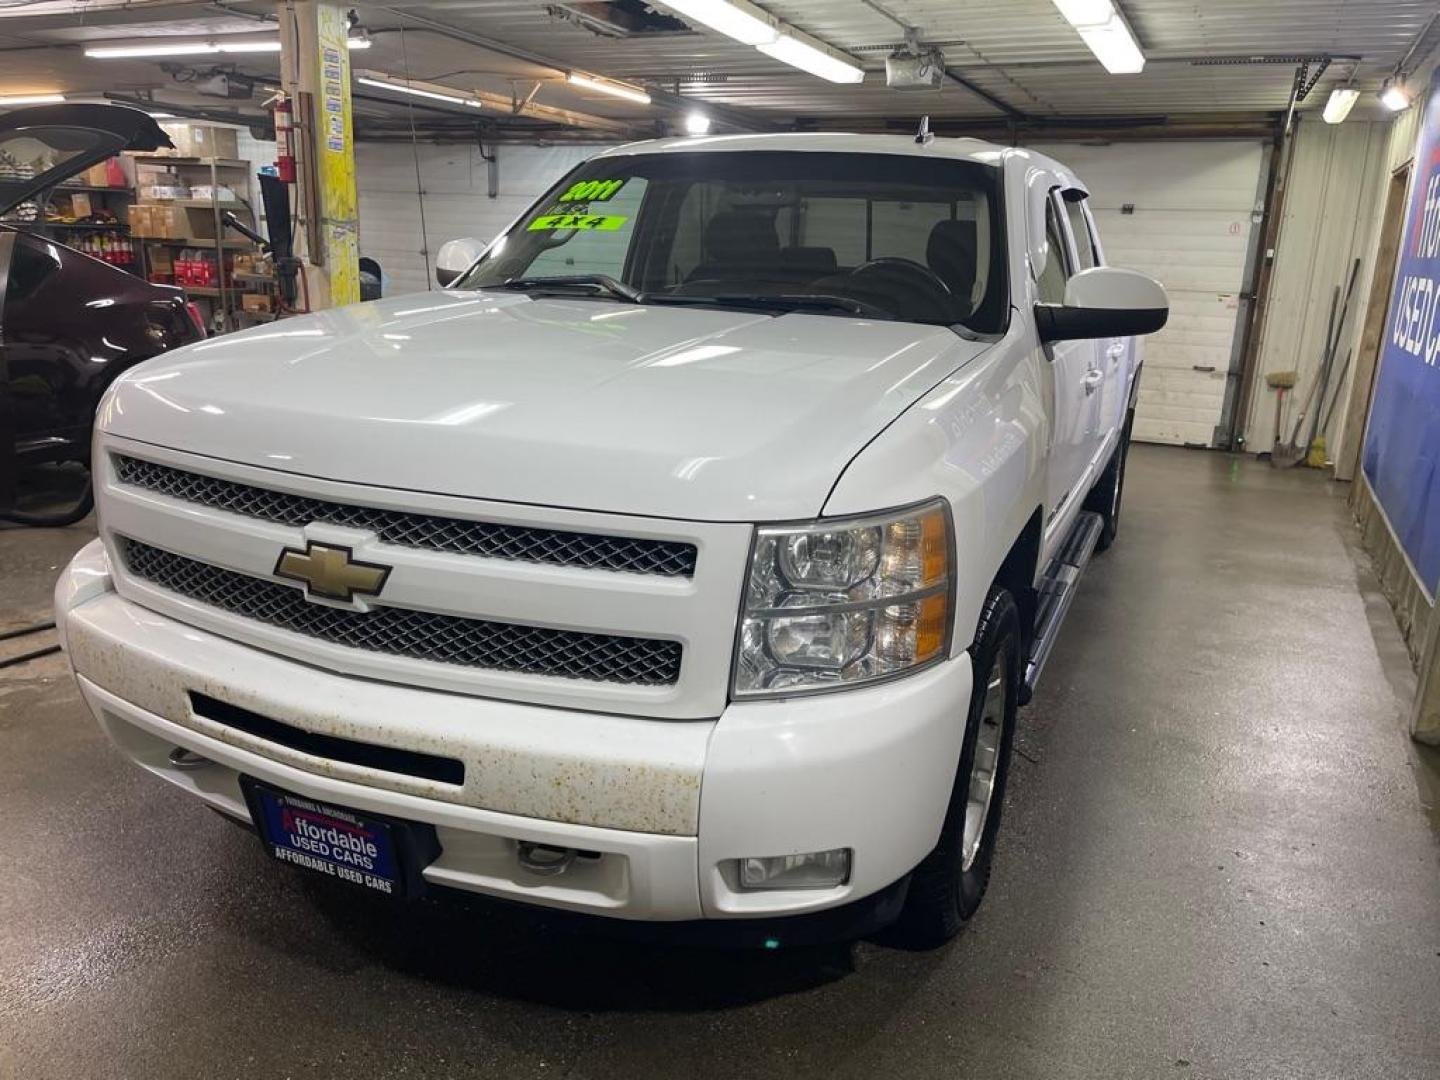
(1220, 850)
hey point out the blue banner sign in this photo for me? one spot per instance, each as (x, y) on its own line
(1402, 442)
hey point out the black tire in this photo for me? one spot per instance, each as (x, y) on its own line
(56, 518)
(944, 891)
(1105, 496)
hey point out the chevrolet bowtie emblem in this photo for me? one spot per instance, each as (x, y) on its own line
(331, 572)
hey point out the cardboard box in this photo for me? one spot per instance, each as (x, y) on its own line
(257, 302)
(140, 220)
(80, 205)
(109, 173)
(198, 140)
(162, 261)
(159, 221)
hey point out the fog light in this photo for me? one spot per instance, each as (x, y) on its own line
(815, 870)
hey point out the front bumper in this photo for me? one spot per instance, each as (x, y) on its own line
(666, 804)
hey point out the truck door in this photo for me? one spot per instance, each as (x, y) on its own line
(1074, 370)
(8, 464)
(1113, 354)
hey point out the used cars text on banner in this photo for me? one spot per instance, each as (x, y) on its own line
(1402, 443)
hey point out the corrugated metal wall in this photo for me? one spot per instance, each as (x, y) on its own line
(1334, 195)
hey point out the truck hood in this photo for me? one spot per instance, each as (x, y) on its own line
(651, 410)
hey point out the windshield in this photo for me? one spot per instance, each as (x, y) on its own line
(876, 235)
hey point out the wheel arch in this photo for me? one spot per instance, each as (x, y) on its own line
(1018, 572)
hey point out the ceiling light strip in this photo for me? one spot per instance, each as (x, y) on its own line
(608, 86)
(1103, 28)
(159, 46)
(754, 26)
(422, 90)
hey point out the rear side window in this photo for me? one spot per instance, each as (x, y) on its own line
(1080, 230)
(30, 267)
(1051, 282)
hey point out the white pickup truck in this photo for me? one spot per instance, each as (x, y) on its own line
(683, 560)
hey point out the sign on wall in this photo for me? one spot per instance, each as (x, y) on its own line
(1402, 442)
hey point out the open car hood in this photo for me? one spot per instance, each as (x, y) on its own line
(65, 140)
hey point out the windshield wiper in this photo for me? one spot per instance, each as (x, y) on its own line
(778, 302)
(571, 281)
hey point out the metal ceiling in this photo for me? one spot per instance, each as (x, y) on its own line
(1020, 58)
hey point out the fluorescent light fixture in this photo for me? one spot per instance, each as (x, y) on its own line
(736, 19)
(608, 86)
(357, 42)
(804, 52)
(125, 52)
(1394, 96)
(697, 123)
(32, 99)
(1085, 12)
(162, 46)
(162, 116)
(1341, 101)
(401, 87)
(247, 46)
(1114, 46)
(1107, 34)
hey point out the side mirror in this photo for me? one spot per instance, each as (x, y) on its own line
(1105, 301)
(455, 257)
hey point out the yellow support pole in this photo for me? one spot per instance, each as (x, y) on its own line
(315, 65)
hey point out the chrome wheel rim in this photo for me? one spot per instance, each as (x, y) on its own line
(985, 763)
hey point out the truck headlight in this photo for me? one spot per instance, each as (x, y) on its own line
(844, 602)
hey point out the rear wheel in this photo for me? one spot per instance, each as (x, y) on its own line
(1105, 496)
(947, 887)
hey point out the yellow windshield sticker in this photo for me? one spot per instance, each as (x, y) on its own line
(592, 191)
(595, 222)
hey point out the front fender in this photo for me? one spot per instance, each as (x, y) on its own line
(978, 439)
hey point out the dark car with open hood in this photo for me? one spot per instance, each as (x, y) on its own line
(69, 323)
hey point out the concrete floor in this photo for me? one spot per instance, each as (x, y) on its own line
(1216, 863)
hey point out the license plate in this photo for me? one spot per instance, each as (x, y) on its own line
(343, 844)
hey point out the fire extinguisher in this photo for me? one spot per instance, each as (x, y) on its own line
(285, 141)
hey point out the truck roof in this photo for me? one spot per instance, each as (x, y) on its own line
(976, 150)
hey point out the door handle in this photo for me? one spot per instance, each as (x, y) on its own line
(1093, 378)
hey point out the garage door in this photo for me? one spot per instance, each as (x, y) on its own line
(1182, 212)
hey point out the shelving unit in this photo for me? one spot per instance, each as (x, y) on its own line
(232, 173)
(78, 234)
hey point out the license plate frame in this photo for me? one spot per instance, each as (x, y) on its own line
(377, 853)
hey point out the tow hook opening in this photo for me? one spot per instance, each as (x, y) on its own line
(547, 861)
(188, 759)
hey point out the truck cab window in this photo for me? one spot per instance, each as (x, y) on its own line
(1050, 285)
(601, 243)
(1080, 230)
(884, 236)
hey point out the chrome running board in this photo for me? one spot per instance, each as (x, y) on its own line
(1056, 593)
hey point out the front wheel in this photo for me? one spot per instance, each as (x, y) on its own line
(947, 887)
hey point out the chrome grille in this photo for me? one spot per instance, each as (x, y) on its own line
(422, 635)
(590, 551)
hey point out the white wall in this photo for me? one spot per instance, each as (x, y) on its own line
(1334, 195)
(454, 180)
